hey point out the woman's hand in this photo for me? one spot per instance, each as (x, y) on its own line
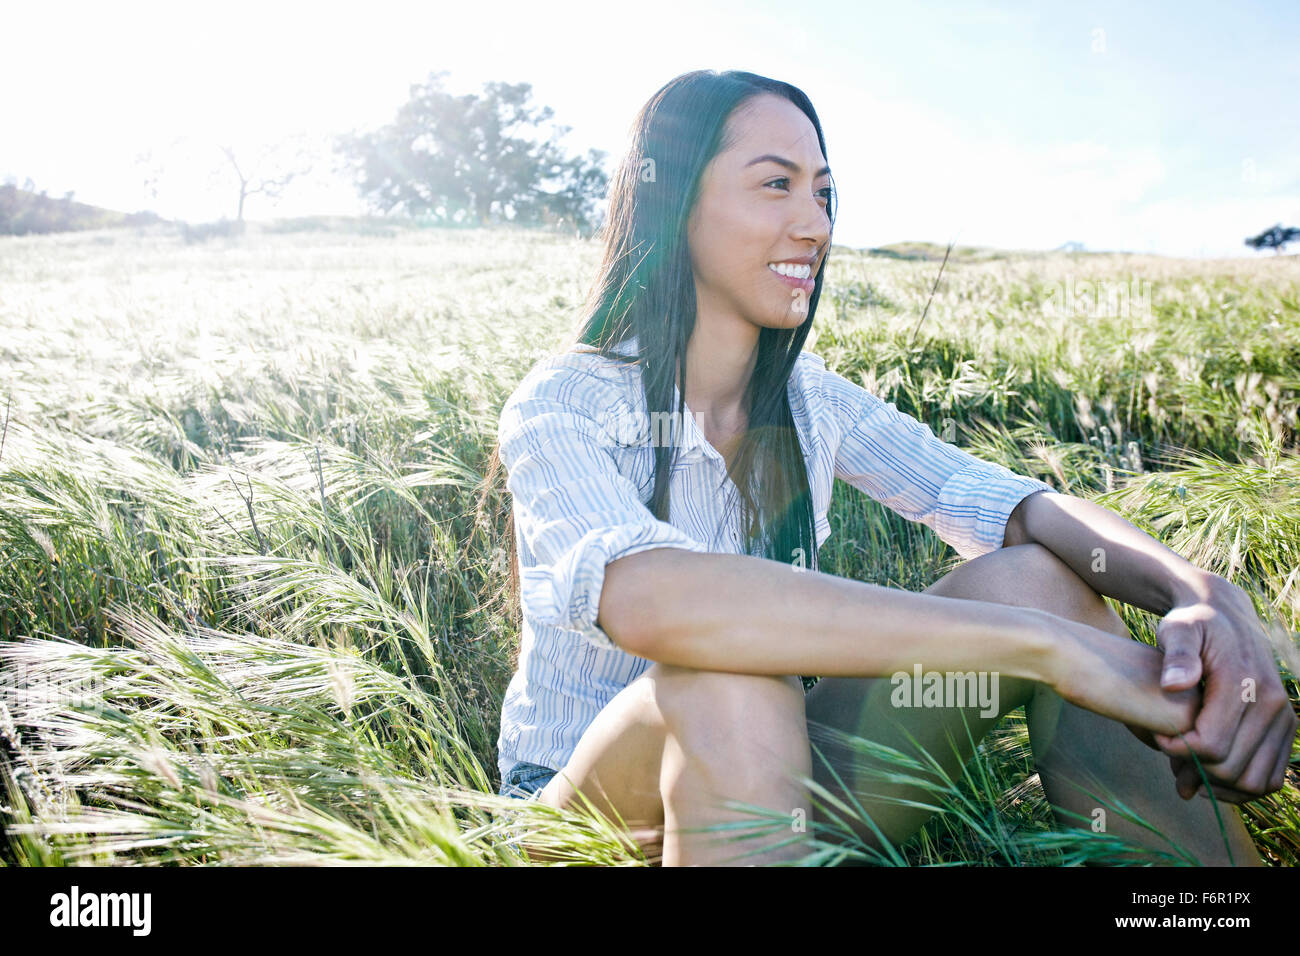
(1243, 735)
(1118, 678)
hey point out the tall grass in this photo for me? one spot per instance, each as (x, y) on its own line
(248, 613)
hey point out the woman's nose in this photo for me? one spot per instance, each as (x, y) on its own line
(815, 223)
(816, 226)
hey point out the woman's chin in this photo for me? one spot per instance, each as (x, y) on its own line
(792, 319)
(774, 318)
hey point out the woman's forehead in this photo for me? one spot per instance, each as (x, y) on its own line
(768, 127)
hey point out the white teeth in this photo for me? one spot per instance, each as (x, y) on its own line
(788, 269)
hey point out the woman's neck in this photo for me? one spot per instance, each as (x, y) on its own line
(718, 370)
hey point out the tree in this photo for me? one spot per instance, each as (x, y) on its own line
(471, 158)
(1274, 238)
(151, 169)
(268, 175)
(581, 183)
(264, 169)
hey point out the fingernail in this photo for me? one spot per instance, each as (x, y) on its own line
(1174, 674)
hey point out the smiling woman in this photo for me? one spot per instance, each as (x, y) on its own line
(718, 228)
(663, 634)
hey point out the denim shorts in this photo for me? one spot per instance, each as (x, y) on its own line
(525, 780)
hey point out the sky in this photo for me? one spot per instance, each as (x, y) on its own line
(1167, 127)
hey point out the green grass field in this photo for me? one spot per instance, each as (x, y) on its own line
(252, 614)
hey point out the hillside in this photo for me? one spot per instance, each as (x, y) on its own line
(23, 212)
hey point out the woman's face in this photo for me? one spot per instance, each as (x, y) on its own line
(762, 206)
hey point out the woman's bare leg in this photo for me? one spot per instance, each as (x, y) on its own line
(863, 708)
(738, 737)
(630, 764)
(670, 748)
(1075, 750)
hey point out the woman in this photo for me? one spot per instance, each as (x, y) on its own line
(663, 633)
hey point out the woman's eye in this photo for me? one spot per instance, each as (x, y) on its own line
(784, 183)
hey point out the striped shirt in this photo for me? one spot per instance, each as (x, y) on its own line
(576, 441)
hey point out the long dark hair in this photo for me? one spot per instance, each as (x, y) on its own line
(645, 289)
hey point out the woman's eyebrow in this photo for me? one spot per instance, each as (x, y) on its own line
(787, 163)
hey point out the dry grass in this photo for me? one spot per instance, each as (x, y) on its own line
(249, 616)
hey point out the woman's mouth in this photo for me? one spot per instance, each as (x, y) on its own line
(794, 276)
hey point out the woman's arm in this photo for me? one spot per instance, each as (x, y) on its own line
(1209, 630)
(751, 615)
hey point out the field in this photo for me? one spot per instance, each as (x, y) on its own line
(253, 612)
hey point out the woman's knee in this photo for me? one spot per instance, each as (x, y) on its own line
(724, 711)
(686, 689)
(1029, 575)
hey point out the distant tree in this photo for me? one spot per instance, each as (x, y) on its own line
(264, 169)
(1274, 238)
(478, 158)
(152, 169)
(581, 183)
(268, 175)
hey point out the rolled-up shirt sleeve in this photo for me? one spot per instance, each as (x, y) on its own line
(573, 508)
(900, 462)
